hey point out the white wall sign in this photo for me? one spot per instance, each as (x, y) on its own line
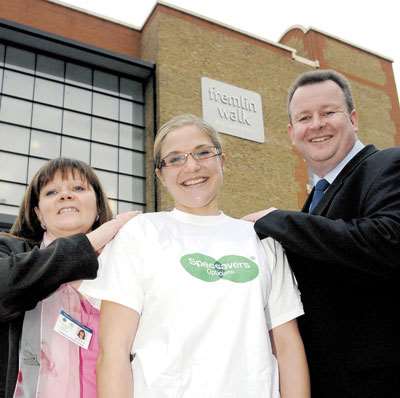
(232, 110)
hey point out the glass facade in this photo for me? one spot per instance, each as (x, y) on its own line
(51, 106)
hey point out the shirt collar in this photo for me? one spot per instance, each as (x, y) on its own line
(330, 177)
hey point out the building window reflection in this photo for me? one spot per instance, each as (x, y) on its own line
(52, 107)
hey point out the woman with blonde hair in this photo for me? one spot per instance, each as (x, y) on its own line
(192, 292)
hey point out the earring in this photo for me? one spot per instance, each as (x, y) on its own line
(43, 226)
(97, 218)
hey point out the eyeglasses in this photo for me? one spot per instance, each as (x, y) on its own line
(179, 159)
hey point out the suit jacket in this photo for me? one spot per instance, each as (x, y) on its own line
(346, 258)
(27, 276)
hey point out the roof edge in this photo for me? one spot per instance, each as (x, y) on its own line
(291, 50)
(311, 28)
(219, 23)
(95, 14)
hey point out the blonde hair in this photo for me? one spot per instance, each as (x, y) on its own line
(180, 121)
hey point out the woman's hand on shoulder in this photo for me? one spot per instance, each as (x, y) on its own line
(103, 234)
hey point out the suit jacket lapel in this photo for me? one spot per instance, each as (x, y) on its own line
(339, 180)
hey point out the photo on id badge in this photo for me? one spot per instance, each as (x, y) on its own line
(73, 330)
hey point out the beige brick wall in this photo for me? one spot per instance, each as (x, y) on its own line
(256, 175)
(374, 110)
(352, 61)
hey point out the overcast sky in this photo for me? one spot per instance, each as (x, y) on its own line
(373, 25)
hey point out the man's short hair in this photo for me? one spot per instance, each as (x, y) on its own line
(320, 76)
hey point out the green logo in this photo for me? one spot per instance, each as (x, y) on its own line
(233, 268)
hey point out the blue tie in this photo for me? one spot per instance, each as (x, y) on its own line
(319, 191)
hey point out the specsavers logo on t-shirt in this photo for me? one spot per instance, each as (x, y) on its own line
(233, 268)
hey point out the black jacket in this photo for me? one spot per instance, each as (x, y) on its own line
(346, 258)
(27, 276)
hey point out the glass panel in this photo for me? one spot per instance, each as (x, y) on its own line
(34, 166)
(78, 99)
(16, 111)
(2, 51)
(126, 206)
(114, 206)
(79, 75)
(76, 124)
(45, 145)
(131, 112)
(46, 118)
(50, 67)
(105, 82)
(19, 141)
(1, 79)
(18, 84)
(105, 131)
(16, 167)
(126, 110)
(138, 114)
(76, 149)
(131, 162)
(20, 59)
(131, 89)
(49, 92)
(105, 106)
(132, 189)
(8, 209)
(109, 182)
(104, 157)
(131, 137)
(11, 193)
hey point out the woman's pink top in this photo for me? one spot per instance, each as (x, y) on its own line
(66, 370)
(89, 317)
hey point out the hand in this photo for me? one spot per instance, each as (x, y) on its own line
(253, 217)
(103, 234)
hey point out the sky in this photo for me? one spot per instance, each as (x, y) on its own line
(372, 25)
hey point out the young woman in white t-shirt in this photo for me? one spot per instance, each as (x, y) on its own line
(205, 309)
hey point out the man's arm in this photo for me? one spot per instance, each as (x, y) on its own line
(118, 326)
(368, 240)
(289, 351)
(370, 245)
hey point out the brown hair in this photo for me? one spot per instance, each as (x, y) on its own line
(320, 76)
(180, 121)
(27, 224)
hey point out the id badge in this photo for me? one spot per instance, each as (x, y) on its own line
(73, 330)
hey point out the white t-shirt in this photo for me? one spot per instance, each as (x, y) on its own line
(207, 291)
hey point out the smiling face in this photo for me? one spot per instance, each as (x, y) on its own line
(194, 186)
(322, 129)
(67, 206)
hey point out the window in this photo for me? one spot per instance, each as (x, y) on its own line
(51, 106)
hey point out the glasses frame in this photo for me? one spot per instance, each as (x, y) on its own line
(162, 164)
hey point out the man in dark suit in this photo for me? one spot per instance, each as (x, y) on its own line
(344, 246)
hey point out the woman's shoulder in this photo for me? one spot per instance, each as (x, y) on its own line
(145, 221)
(240, 223)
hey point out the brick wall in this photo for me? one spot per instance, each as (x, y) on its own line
(72, 24)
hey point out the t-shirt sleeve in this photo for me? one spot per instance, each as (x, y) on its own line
(121, 265)
(283, 301)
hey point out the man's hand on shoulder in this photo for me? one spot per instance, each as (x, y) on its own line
(253, 217)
